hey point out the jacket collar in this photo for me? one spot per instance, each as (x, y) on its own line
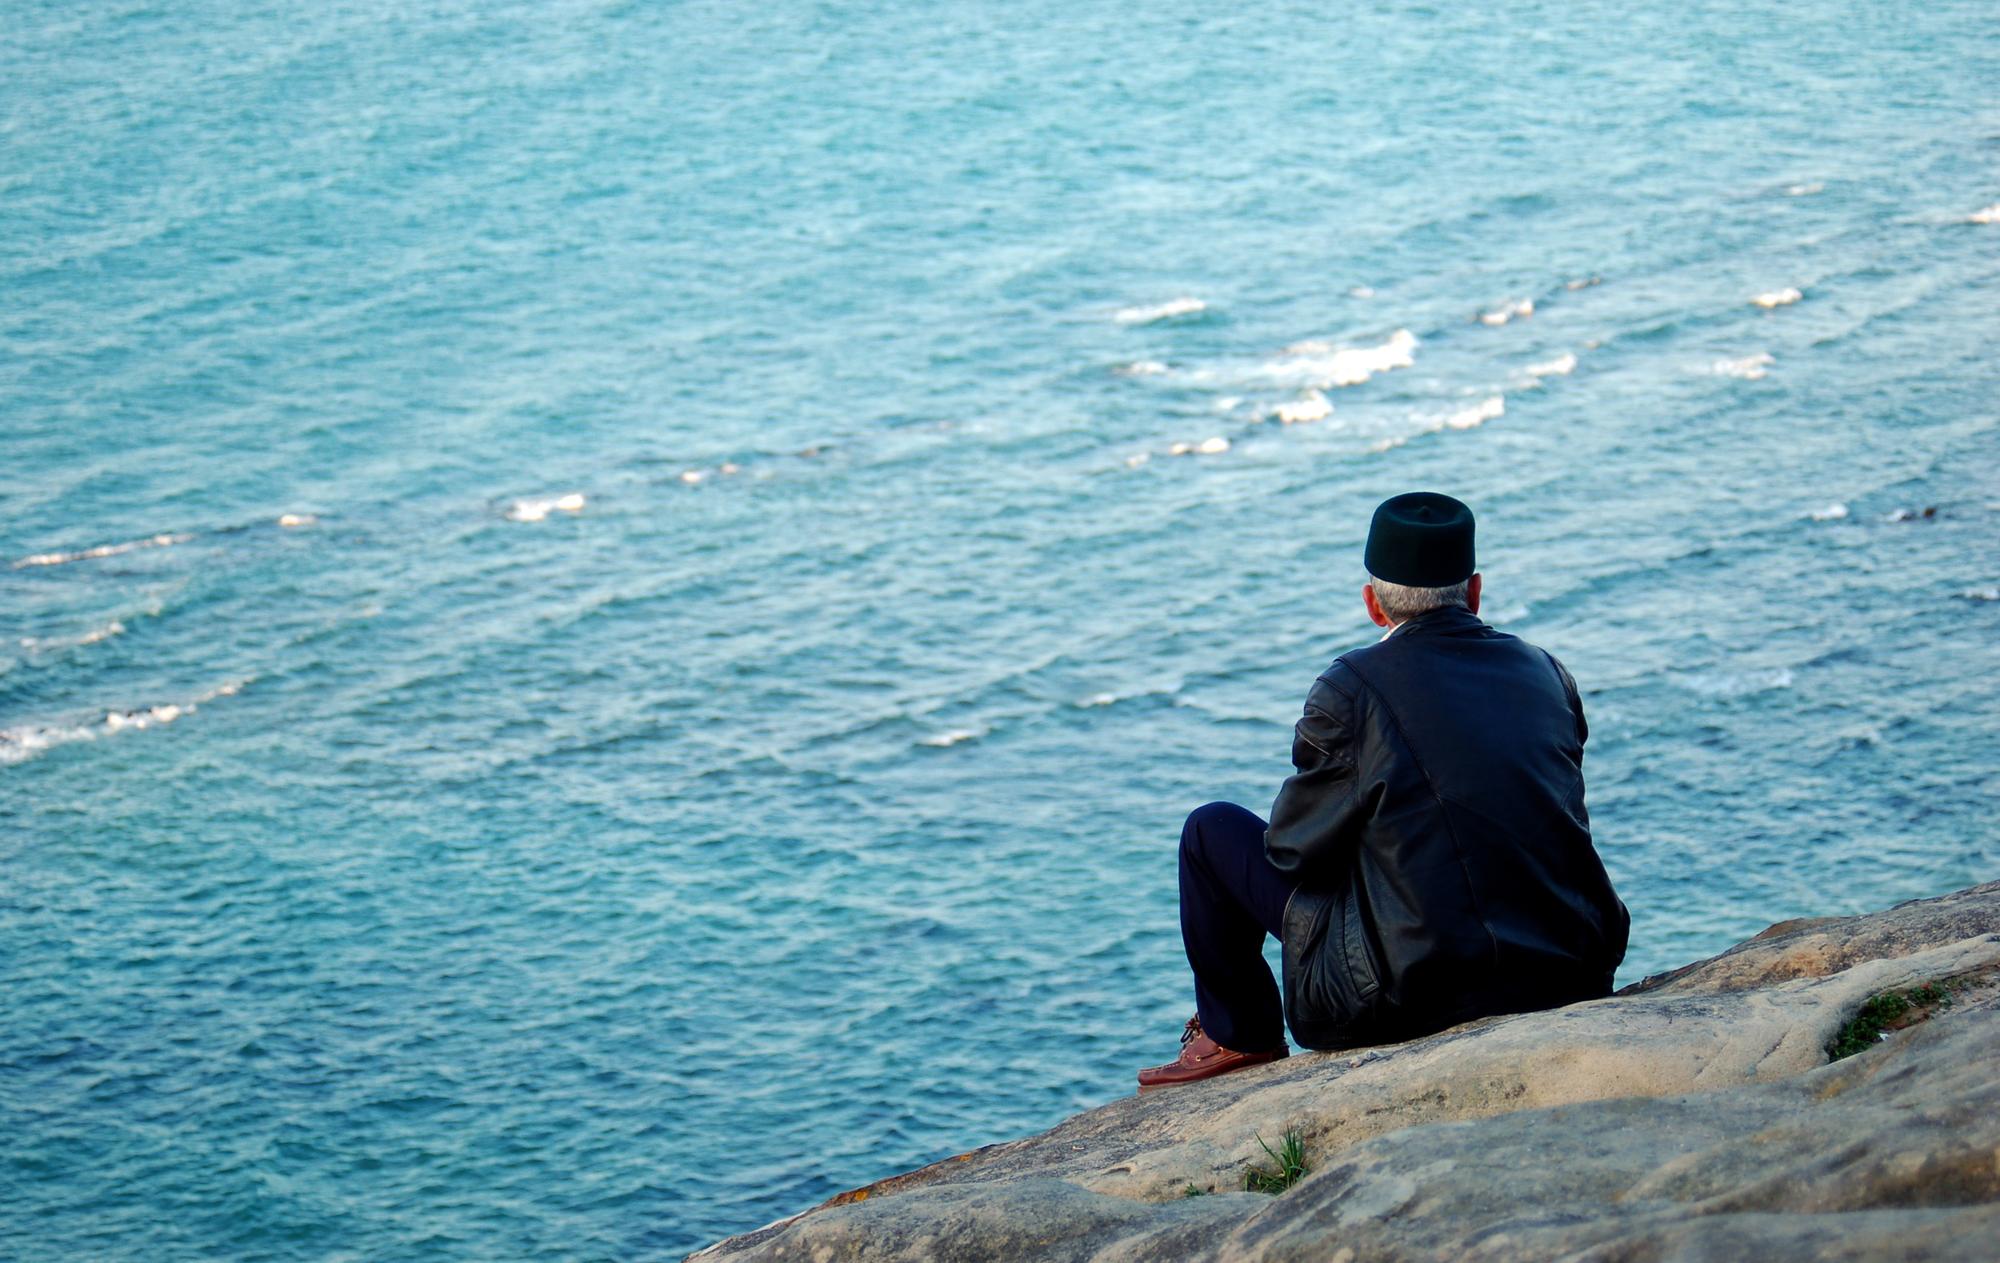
(1449, 619)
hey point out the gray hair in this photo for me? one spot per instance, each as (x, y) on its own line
(1400, 602)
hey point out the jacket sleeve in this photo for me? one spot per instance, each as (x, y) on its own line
(1317, 816)
(1575, 698)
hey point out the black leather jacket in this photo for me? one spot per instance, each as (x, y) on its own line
(1437, 829)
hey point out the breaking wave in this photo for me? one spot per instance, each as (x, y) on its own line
(536, 510)
(1517, 310)
(1311, 407)
(1749, 367)
(116, 627)
(1489, 409)
(1322, 365)
(24, 741)
(1160, 311)
(942, 740)
(1736, 683)
(102, 550)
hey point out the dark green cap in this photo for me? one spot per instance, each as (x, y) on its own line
(1421, 539)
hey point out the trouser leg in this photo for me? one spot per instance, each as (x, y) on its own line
(1230, 898)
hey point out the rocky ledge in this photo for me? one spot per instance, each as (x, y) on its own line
(1693, 1115)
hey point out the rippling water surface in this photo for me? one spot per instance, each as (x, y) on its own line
(608, 611)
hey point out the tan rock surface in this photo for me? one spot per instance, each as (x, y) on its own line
(1690, 1116)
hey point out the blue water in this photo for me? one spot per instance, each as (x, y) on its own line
(463, 872)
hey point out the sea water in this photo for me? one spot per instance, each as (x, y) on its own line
(608, 611)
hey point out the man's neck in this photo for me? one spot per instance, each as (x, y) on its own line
(1396, 627)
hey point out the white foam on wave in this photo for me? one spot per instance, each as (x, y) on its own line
(1987, 215)
(1214, 446)
(102, 550)
(1805, 190)
(536, 510)
(1097, 701)
(1737, 683)
(1137, 459)
(106, 632)
(1323, 365)
(1561, 366)
(1777, 297)
(113, 628)
(942, 740)
(1313, 406)
(728, 469)
(1519, 309)
(1830, 513)
(1489, 409)
(1173, 307)
(118, 720)
(1749, 367)
(25, 741)
(1981, 594)
(1141, 368)
(1362, 291)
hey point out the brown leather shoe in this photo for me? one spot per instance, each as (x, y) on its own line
(1203, 1058)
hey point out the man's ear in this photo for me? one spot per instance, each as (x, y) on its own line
(1374, 606)
(1472, 595)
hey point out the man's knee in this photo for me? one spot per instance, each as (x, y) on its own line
(1210, 821)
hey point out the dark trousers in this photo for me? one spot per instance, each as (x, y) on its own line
(1230, 898)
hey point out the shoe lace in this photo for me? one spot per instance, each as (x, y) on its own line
(1191, 1031)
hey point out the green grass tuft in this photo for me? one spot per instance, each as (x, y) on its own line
(1880, 1014)
(1288, 1165)
(1192, 1191)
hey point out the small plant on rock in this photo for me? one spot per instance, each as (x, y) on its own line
(1880, 1014)
(1288, 1165)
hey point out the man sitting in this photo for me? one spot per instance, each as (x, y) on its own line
(1430, 860)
